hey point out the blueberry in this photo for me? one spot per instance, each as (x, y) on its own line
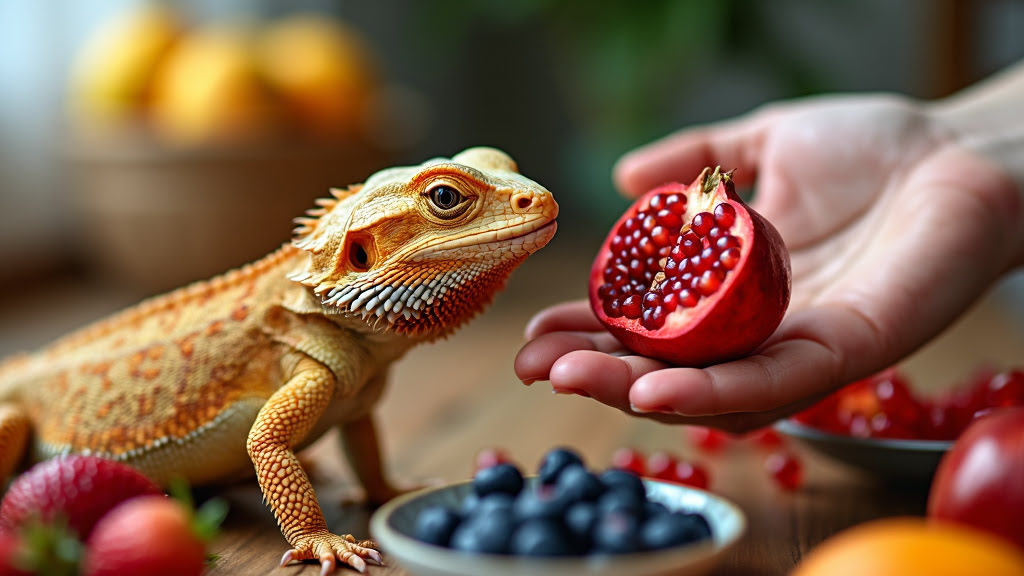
(555, 461)
(541, 503)
(435, 525)
(495, 503)
(580, 519)
(483, 534)
(540, 537)
(653, 509)
(621, 479)
(673, 529)
(577, 483)
(499, 478)
(621, 501)
(469, 504)
(617, 533)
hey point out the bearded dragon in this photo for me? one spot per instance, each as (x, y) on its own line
(239, 372)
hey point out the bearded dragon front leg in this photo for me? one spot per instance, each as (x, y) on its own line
(284, 422)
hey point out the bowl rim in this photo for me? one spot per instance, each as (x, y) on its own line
(428, 554)
(802, 431)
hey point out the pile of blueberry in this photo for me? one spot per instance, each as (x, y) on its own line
(569, 511)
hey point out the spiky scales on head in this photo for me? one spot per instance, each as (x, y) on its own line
(422, 249)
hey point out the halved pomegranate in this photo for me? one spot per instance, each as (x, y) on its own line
(691, 275)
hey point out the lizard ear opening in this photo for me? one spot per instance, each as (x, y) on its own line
(360, 252)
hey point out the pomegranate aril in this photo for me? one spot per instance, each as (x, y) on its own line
(702, 223)
(708, 439)
(649, 222)
(661, 236)
(690, 474)
(687, 298)
(631, 307)
(725, 215)
(676, 204)
(647, 247)
(489, 457)
(607, 291)
(653, 318)
(689, 244)
(661, 465)
(669, 219)
(670, 302)
(727, 241)
(630, 460)
(612, 308)
(730, 258)
(651, 300)
(657, 202)
(785, 469)
(710, 281)
(700, 265)
(671, 268)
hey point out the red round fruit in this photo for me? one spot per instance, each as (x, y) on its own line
(690, 474)
(661, 466)
(785, 469)
(149, 535)
(79, 489)
(488, 457)
(714, 292)
(630, 460)
(10, 552)
(708, 439)
(980, 481)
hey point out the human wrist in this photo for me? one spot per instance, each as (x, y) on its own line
(987, 120)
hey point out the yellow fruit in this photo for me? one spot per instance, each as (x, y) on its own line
(209, 90)
(112, 73)
(322, 70)
(912, 547)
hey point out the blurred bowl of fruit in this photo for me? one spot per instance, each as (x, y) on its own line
(565, 520)
(881, 426)
(194, 144)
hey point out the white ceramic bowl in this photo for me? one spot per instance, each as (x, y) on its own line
(393, 524)
(911, 461)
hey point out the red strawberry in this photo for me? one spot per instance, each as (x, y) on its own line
(150, 535)
(10, 550)
(75, 489)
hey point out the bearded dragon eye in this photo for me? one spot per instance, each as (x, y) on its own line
(445, 197)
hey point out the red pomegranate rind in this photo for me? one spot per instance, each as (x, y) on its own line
(719, 298)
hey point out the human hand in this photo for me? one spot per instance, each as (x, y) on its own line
(893, 230)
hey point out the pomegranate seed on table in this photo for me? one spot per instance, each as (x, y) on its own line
(631, 460)
(765, 437)
(691, 474)
(488, 457)
(661, 466)
(708, 439)
(785, 469)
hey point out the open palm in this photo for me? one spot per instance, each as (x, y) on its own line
(893, 231)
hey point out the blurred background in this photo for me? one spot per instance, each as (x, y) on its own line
(144, 145)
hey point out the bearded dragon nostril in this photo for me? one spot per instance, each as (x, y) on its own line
(521, 202)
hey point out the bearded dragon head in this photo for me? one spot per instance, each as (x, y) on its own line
(420, 250)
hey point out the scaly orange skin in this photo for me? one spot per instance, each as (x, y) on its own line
(239, 372)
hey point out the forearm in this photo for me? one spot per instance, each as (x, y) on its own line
(988, 119)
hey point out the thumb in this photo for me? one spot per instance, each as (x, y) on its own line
(733, 144)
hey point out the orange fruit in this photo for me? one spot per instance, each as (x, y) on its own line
(911, 547)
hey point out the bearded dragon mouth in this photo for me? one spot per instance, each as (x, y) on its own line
(529, 236)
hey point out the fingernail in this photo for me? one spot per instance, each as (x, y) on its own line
(569, 391)
(659, 409)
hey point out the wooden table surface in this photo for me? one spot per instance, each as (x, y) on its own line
(450, 399)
